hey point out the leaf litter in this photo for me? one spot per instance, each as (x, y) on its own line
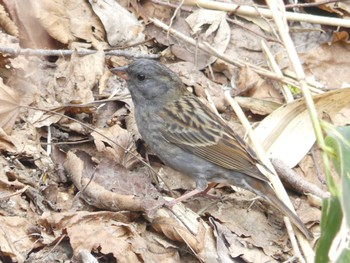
(75, 177)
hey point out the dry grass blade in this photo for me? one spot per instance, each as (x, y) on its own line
(9, 107)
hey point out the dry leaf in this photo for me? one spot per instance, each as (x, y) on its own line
(69, 21)
(95, 231)
(9, 107)
(110, 186)
(122, 28)
(329, 64)
(6, 23)
(182, 224)
(14, 239)
(31, 33)
(257, 106)
(287, 134)
(212, 27)
(120, 145)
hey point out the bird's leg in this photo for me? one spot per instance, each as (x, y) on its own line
(205, 192)
(192, 193)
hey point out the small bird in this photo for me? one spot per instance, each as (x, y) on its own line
(187, 136)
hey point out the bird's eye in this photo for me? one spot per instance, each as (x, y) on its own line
(140, 77)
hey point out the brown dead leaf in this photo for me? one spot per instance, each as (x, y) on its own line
(9, 107)
(257, 106)
(251, 226)
(250, 83)
(182, 224)
(73, 80)
(107, 232)
(329, 64)
(25, 143)
(70, 21)
(31, 33)
(5, 142)
(159, 249)
(110, 186)
(119, 146)
(212, 27)
(14, 239)
(289, 127)
(6, 23)
(122, 28)
(176, 180)
(342, 8)
(229, 244)
(174, 231)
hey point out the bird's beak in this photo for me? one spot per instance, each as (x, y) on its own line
(120, 72)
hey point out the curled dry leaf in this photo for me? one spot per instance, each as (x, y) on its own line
(9, 107)
(15, 242)
(250, 83)
(257, 106)
(251, 226)
(6, 23)
(115, 146)
(329, 64)
(211, 26)
(182, 224)
(122, 28)
(287, 133)
(230, 246)
(69, 22)
(108, 232)
(31, 33)
(110, 186)
(73, 79)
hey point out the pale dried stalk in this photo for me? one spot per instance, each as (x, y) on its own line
(288, 96)
(255, 11)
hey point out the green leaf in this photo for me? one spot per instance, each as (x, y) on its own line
(344, 256)
(338, 139)
(330, 224)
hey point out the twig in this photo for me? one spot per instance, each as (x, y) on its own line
(288, 96)
(15, 193)
(65, 52)
(296, 181)
(253, 11)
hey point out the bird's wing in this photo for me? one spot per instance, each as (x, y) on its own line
(192, 126)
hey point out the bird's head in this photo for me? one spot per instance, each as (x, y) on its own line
(149, 81)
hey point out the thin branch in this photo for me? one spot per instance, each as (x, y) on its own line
(296, 181)
(253, 11)
(65, 52)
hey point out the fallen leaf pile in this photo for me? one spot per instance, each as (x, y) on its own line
(78, 183)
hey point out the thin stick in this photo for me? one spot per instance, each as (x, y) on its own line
(288, 96)
(65, 52)
(254, 11)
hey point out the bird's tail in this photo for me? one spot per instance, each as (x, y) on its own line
(270, 195)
